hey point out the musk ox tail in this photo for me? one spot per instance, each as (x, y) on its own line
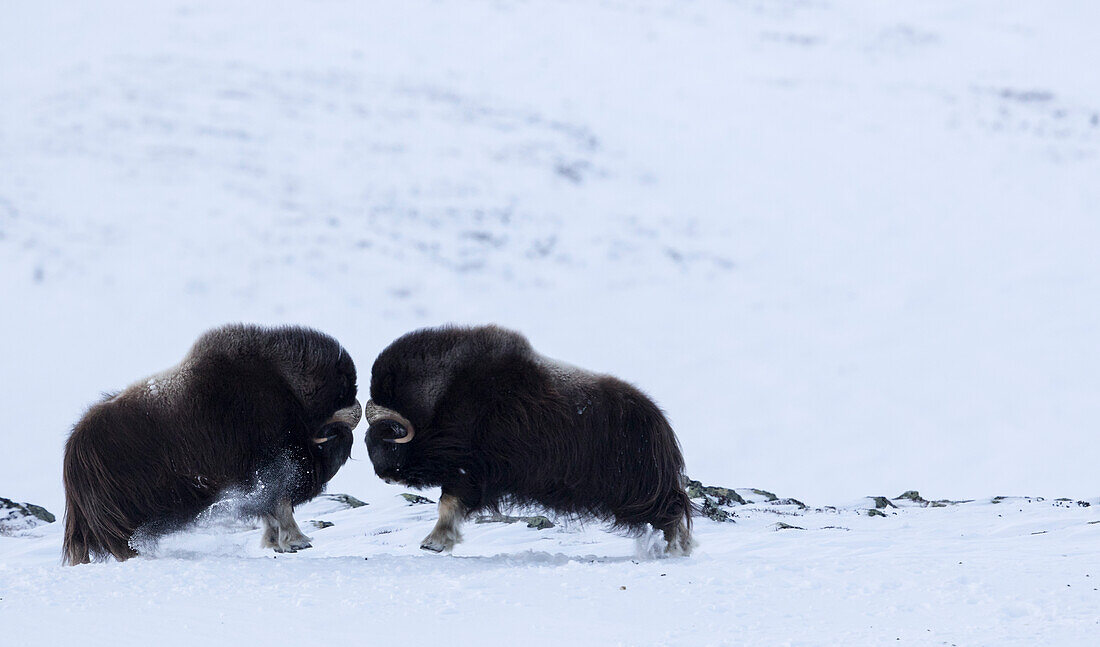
(95, 524)
(656, 494)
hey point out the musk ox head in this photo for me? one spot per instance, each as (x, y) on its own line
(410, 378)
(387, 440)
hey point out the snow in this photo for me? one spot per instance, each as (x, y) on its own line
(848, 246)
(1021, 571)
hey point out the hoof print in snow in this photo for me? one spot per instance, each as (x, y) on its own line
(345, 499)
(415, 499)
(17, 517)
(321, 524)
(537, 522)
(786, 526)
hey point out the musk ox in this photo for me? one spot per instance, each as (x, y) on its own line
(478, 412)
(266, 411)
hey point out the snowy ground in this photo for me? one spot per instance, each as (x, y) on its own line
(849, 246)
(1020, 572)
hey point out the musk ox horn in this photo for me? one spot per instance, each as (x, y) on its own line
(404, 439)
(350, 416)
(376, 413)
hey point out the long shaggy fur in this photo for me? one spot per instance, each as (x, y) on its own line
(241, 410)
(496, 422)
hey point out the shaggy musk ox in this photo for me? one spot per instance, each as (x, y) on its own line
(265, 411)
(480, 413)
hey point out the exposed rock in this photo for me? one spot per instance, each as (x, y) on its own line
(722, 495)
(415, 499)
(319, 524)
(710, 509)
(16, 517)
(345, 499)
(537, 522)
(789, 501)
(1069, 503)
(713, 498)
(882, 502)
(786, 526)
(1025, 499)
(915, 497)
(912, 495)
(768, 496)
(874, 512)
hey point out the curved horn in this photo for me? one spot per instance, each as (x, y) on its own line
(350, 416)
(375, 413)
(406, 438)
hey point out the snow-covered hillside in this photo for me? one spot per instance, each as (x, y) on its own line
(849, 246)
(846, 245)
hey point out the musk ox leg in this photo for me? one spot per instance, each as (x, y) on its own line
(445, 534)
(679, 540)
(281, 532)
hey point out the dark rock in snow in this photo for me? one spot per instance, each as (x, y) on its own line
(768, 496)
(789, 501)
(711, 510)
(321, 524)
(415, 499)
(346, 499)
(16, 517)
(723, 495)
(915, 497)
(537, 522)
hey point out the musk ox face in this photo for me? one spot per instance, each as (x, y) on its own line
(479, 413)
(267, 412)
(388, 439)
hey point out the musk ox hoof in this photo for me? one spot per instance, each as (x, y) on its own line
(441, 540)
(300, 545)
(290, 546)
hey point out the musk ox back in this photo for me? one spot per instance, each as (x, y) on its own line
(267, 411)
(478, 412)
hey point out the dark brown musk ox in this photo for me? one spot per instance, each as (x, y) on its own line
(478, 412)
(266, 413)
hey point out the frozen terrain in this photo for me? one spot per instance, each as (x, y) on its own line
(850, 247)
(1020, 571)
